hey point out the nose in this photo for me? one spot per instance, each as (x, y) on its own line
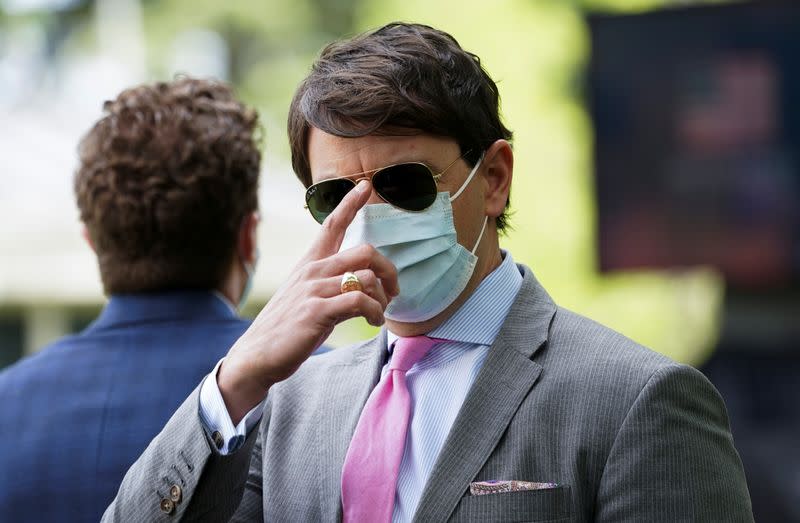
(374, 198)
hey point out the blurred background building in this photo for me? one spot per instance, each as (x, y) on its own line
(657, 155)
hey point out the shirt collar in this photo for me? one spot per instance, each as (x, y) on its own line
(123, 309)
(227, 302)
(479, 319)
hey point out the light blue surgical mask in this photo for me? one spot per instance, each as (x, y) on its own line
(432, 267)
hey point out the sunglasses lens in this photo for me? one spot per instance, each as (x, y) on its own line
(323, 197)
(409, 186)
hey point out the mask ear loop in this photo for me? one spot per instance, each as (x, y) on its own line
(480, 236)
(250, 270)
(469, 179)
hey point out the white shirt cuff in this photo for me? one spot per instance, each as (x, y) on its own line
(217, 421)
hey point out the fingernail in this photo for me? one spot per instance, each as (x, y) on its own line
(362, 185)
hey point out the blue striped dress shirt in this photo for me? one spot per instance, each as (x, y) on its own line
(439, 382)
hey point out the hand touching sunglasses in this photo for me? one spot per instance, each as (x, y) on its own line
(410, 186)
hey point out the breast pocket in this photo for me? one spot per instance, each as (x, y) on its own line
(529, 505)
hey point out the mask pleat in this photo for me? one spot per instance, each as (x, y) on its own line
(433, 268)
(404, 255)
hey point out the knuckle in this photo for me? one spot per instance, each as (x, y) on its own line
(314, 306)
(366, 251)
(389, 265)
(302, 271)
(310, 270)
(364, 301)
(367, 278)
(314, 288)
(348, 299)
(331, 223)
(355, 305)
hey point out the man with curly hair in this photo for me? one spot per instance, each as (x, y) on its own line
(167, 190)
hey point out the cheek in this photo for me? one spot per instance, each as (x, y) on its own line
(468, 215)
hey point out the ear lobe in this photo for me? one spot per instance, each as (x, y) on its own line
(248, 237)
(498, 174)
(87, 237)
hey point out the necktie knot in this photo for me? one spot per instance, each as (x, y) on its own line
(408, 351)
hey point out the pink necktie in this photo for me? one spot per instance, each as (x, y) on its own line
(369, 476)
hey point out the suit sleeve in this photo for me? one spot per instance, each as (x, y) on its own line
(673, 458)
(212, 485)
(215, 417)
(251, 507)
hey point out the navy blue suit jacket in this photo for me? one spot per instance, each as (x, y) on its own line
(76, 415)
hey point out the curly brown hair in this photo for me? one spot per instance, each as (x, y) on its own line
(399, 79)
(165, 181)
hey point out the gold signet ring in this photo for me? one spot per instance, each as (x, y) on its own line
(350, 282)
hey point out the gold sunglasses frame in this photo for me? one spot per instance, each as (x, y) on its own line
(369, 175)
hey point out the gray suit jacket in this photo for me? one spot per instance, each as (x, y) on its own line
(627, 433)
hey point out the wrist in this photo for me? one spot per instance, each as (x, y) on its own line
(240, 395)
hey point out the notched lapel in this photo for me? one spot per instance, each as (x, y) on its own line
(345, 383)
(506, 378)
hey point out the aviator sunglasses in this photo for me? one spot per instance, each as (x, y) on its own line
(410, 186)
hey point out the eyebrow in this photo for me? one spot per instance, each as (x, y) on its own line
(436, 172)
(374, 170)
(436, 175)
(386, 167)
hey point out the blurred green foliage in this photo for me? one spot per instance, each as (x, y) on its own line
(537, 51)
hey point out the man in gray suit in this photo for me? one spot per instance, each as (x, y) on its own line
(480, 399)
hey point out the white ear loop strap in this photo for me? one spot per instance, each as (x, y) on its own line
(485, 220)
(469, 178)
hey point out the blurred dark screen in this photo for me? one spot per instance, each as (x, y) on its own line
(697, 158)
(697, 129)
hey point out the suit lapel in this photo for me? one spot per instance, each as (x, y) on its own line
(507, 376)
(347, 387)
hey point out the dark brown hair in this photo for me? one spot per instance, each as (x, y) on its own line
(401, 77)
(165, 180)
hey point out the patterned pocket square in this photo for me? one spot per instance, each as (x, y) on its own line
(480, 488)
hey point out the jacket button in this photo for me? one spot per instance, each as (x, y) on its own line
(167, 506)
(218, 440)
(175, 494)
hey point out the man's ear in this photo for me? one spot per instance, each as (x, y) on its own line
(87, 237)
(498, 169)
(247, 244)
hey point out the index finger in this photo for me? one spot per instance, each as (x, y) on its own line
(335, 225)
